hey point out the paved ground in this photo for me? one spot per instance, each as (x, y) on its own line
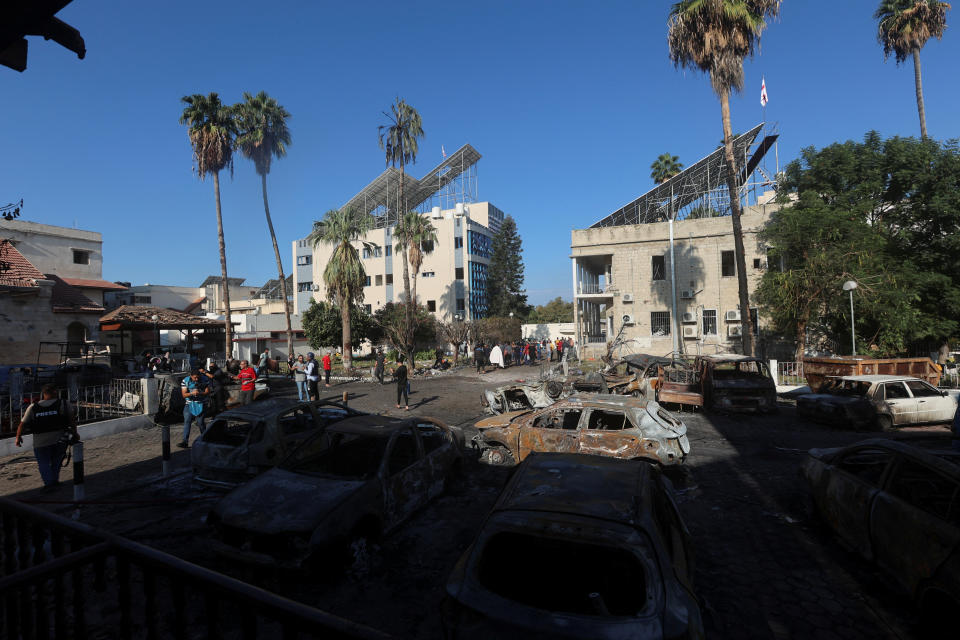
(764, 568)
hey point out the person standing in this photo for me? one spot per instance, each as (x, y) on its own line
(290, 363)
(299, 371)
(559, 350)
(48, 419)
(248, 379)
(262, 366)
(313, 376)
(496, 356)
(378, 369)
(194, 391)
(218, 380)
(400, 376)
(479, 356)
(327, 365)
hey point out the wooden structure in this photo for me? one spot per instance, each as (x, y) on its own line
(816, 369)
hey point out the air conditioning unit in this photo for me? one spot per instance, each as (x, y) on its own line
(435, 213)
(733, 316)
(628, 297)
(735, 331)
(316, 287)
(686, 294)
(627, 319)
(690, 332)
(689, 317)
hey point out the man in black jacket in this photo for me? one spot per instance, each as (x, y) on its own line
(48, 420)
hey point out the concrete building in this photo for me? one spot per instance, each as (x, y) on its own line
(452, 281)
(186, 299)
(671, 285)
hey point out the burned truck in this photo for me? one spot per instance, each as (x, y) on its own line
(732, 382)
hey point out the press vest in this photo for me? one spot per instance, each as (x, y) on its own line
(48, 419)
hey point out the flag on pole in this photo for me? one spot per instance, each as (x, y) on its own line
(444, 152)
(763, 92)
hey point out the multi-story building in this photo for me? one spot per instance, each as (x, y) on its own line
(452, 281)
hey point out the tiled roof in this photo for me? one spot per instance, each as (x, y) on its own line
(93, 284)
(20, 272)
(69, 299)
(130, 316)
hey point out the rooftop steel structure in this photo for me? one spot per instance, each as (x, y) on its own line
(453, 180)
(700, 190)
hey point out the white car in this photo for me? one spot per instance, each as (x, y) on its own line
(893, 401)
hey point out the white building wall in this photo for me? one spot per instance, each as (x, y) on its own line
(52, 249)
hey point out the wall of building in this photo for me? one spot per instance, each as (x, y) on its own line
(51, 249)
(26, 320)
(154, 295)
(548, 331)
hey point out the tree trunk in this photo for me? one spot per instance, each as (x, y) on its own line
(801, 340)
(919, 83)
(415, 269)
(276, 253)
(746, 326)
(228, 327)
(347, 340)
(408, 331)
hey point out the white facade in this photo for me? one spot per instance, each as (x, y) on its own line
(65, 252)
(452, 279)
(156, 295)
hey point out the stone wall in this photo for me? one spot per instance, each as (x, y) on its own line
(26, 320)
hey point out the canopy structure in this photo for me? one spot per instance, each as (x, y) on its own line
(700, 190)
(380, 198)
(130, 317)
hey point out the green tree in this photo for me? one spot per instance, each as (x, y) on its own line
(665, 167)
(323, 325)
(557, 310)
(390, 322)
(399, 139)
(212, 128)
(505, 293)
(715, 36)
(262, 136)
(419, 237)
(344, 274)
(903, 28)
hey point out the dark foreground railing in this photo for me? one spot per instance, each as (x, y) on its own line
(63, 579)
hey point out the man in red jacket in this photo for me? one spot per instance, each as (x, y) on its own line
(326, 368)
(247, 378)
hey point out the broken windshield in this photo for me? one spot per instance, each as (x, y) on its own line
(343, 455)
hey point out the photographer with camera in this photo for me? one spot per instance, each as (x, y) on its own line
(53, 423)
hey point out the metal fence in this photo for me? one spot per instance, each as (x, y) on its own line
(121, 397)
(63, 579)
(790, 373)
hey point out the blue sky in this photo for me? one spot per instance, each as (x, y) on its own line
(569, 103)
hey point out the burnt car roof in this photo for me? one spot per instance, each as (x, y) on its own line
(594, 486)
(929, 457)
(272, 406)
(371, 425)
(730, 357)
(604, 400)
(644, 360)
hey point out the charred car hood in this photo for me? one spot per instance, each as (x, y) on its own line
(280, 501)
(501, 420)
(755, 385)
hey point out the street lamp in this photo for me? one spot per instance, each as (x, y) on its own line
(156, 329)
(850, 285)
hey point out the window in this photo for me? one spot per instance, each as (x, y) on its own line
(756, 263)
(895, 390)
(81, 257)
(709, 322)
(304, 260)
(660, 323)
(921, 389)
(458, 243)
(427, 274)
(607, 421)
(458, 273)
(367, 253)
(404, 453)
(659, 267)
(305, 286)
(461, 304)
(377, 252)
(297, 421)
(431, 436)
(142, 299)
(866, 464)
(379, 280)
(925, 489)
(389, 278)
(431, 305)
(558, 419)
(388, 248)
(728, 265)
(367, 309)
(366, 281)
(480, 244)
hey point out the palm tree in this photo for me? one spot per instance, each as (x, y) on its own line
(344, 274)
(263, 135)
(418, 234)
(714, 36)
(212, 128)
(903, 27)
(399, 139)
(665, 167)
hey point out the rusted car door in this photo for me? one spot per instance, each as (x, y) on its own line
(845, 499)
(932, 406)
(915, 523)
(405, 477)
(608, 433)
(551, 430)
(898, 402)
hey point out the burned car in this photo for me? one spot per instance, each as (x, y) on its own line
(884, 401)
(599, 424)
(732, 382)
(898, 506)
(577, 547)
(342, 487)
(517, 397)
(246, 440)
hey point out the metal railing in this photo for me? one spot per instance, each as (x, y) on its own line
(596, 339)
(121, 397)
(64, 579)
(789, 373)
(589, 287)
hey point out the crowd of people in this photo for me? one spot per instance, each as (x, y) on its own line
(522, 352)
